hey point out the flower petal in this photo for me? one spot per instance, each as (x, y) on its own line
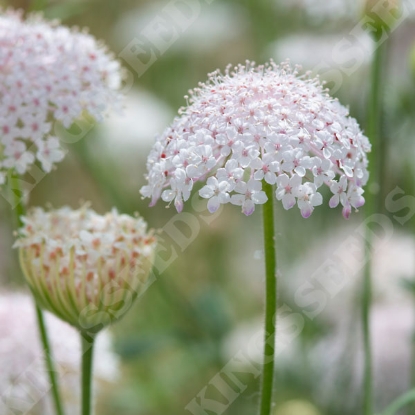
(248, 207)
(288, 201)
(213, 204)
(334, 201)
(259, 198)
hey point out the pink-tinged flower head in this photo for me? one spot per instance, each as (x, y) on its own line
(48, 72)
(255, 124)
(85, 268)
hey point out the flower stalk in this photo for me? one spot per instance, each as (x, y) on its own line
(87, 371)
(19, 212)
(373, 205)
(87, 269)
(270, 302)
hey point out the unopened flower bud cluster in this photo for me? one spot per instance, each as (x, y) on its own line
(73, 259)
(47, 72)
(256, 124)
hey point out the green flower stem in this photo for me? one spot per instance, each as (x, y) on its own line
(17, 196)
(270, 302)
(366, 305)
(19, 212)
(49, 361)
(374, 126)
(86, 381)
(373, 205)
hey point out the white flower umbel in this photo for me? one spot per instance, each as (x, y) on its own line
(47, 73)
(246, 130)
(24, 381)
(255, 124)
(85, 268)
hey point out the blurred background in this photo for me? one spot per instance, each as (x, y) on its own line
(207, 304)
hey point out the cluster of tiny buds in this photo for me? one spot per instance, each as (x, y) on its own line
(48, 72)
(71, 257)
(255, 124)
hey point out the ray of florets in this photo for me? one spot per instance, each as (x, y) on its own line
(254, 124)
(48, 72)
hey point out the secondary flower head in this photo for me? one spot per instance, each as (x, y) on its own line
(255, 124)
(85, 268)
(47, 72)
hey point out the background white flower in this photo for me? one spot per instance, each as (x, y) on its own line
(47, 73)
(23, 376)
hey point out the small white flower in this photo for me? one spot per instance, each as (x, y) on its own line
(354, 199)
(354, 196)
(67, 110)
(295, 160)
(339, 190)
(307, 199)
(250, 195)
(287, 189)
(227, 140)
(322, 171)
(183, 158)
(266, 168)
(244, 153)
(17, 157)
(181, 187)
(276, 145)
(49, 153)
(35, 127)
(300, 140)
(324, 141)
(216, 192)
(232, 173)
(203, 162)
